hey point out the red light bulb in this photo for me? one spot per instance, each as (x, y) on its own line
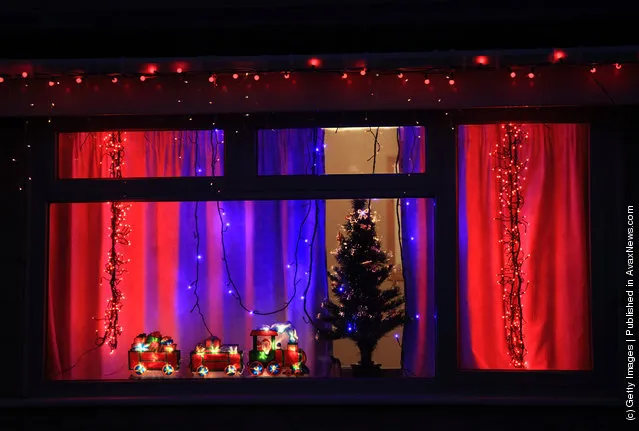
(344, 75)
(481, 60)
(256, 77)
(235, 76)
(25, 74)
(427, 81)
(400, 75)
(179, 70)
(513, 74)
(142, 78)
(558, 55)
(451, 81)
(314, 62)
(617, 66)
(362, 72)
(287, 75)
(531, 75)
(1, 79)
(593, 69)
(212, 78)
(114, 80)
(78, 80)
(51, 83)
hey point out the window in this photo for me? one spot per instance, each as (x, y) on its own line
(190, 290)
(144, 154)
(198, 279)
(524, 215)
(351, 150)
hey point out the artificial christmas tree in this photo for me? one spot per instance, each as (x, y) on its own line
(361, 310)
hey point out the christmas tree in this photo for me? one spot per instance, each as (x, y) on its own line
(362, 310)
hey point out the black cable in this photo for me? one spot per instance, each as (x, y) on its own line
(235, 291)
(196, 233)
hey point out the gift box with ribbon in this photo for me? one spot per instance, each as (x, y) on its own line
(154, 352)
(213, 356)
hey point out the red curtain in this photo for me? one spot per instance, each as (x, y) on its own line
(261, 241)
(78, 245)
(557, 302)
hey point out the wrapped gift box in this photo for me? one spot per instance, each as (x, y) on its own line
(216, 357)
(154, 360)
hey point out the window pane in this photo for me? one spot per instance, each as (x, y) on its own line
(136, 154)
(355, 150)
(203, 286)
(523, 216)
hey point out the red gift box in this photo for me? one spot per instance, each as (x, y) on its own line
(292, 355)
(215, 361)
(154, 360)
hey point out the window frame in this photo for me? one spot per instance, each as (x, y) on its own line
(241, 182)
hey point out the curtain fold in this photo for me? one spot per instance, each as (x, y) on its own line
(267, 246)
(417, 249)
(556, 305)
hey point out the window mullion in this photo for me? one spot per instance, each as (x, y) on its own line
(244, 188)
(240, 152)
(442, 145)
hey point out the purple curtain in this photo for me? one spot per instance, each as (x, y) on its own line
(417, 227)
(291, 235)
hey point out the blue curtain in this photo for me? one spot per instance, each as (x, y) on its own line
(417, 240)
(275, 249)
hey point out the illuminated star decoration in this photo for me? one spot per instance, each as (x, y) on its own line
(510, 170)
(118, 236)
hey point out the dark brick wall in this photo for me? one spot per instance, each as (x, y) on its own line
(13, 251)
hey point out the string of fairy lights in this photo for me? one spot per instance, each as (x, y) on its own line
(190, 73)
(510, 169)
(228, 81)
(119, 231)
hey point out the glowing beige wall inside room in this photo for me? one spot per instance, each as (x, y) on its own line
(348, 151)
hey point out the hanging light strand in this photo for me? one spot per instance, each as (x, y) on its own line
(119, 231)
(510, 171)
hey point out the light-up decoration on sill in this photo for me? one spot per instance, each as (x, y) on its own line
(154, 352)
(276, 352)
(216, 358)
(510, 168)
